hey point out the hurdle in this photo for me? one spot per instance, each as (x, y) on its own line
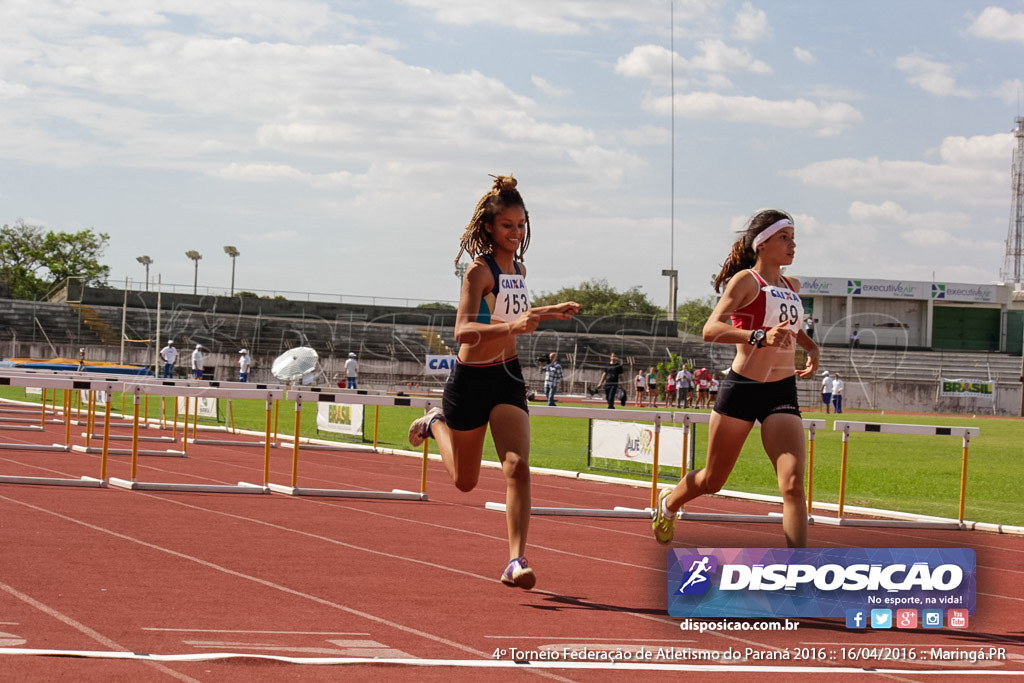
(810, 426)
(689, 421)
(67, 384)
(315, 395)
(619, 512)
(270, 394)
(126, 387)
(912, 521)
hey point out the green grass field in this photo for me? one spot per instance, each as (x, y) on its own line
(918, 474)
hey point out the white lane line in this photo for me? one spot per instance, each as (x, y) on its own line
(515, 664)
(251, 632)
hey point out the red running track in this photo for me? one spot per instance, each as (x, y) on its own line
(108, 584)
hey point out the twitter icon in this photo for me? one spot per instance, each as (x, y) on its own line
(881, 618)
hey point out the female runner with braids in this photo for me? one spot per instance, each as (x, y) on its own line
(766, 313)
(486, 386)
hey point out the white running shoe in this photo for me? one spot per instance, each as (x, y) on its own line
(419, 430)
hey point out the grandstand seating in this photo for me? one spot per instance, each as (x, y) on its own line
(381, 339)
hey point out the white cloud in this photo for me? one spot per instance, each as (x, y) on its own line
(1010, 92)
(973, 172)
(541, 16)
(930, 76)
(998, 24)
(926, 229)
(750, 23)
(548, 88)
(717, 56)
(978, 151)
(821, 118)
(803, 55)
(715, 59)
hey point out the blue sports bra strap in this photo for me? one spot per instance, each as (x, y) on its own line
(495, 270)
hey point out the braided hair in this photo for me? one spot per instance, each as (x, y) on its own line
(475, 239)
(743, 255)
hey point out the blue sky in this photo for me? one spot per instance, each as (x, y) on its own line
(342, 146)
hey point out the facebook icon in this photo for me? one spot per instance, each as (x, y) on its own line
(856, 618)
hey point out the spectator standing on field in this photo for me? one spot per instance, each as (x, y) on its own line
(610, 379)
(552, 377)
(826, 390)
(197, 362)
(684, 380)
(351, 371)
(244, 362)
(838, 385)
(169, 355)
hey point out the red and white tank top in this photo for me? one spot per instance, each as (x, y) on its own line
(772, 306)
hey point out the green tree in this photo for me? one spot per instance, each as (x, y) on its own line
(598, 298)
(693, 313)
(33, 260)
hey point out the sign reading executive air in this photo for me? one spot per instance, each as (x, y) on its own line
(817, 582)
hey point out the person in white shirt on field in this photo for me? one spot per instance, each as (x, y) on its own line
(197, 362)
(169, 355)
(351, 371)
(826, 391)
(244, 363)
(838, 385)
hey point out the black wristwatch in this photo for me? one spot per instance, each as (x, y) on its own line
(756, 338)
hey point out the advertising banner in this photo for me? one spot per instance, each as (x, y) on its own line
(634, 442)
(438, 365)
(966, 388)
(340, 418)
(199, 405)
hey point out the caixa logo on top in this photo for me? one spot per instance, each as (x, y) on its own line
(817, 582)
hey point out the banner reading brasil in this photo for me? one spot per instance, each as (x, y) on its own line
(816, 582)
(975, 388)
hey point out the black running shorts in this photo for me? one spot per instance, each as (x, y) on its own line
(749, 400)
(472, 391)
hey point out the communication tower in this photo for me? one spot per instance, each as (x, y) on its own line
(1013, 266)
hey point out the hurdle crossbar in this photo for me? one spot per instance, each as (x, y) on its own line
(919, 521)
(315, 395)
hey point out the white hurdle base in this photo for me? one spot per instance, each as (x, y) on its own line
(128, 437)
(88, 482)
(770, 518)
(646, 513)
(394, 494)
(34, 447)
(228, 442)
(618, 512)
(242, 487)
(169, 453)
(923, 523)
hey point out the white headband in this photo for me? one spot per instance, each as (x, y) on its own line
(767, 233)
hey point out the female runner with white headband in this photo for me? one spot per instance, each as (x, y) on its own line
(765, 312)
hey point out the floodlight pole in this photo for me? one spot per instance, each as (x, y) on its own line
(146, 261)
(233, 253)
(195, 256)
